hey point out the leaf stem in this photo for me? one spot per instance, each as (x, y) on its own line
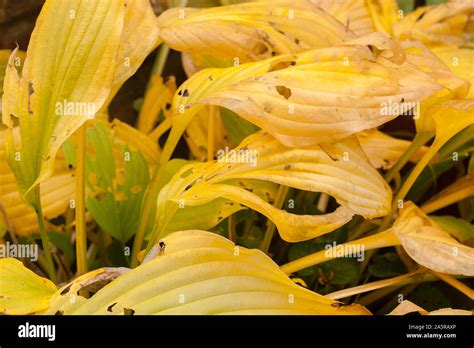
(380, 240)
(445, 200)
(270, 231)
(151, 194)
(211, 128)
(455, 284)
(81, 238)
(372, 286)
(408, 183)
(45, 241)
(231, 228)
(160, 61)
(419, 140)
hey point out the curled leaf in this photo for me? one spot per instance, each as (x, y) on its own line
(140, 36)
(50, 99)
(431, 246)
(69, 297)
(448, 23)
(4, 57)
(314, 96)
(382, 150)
(363, 16)
(217, 36)
(460, 59)
(58, 190)
(340, 170)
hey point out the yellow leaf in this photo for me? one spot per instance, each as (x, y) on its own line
(196, 135)
(382, 150)
(448, 23)
(4, 56)
(21, 290)
(58, 190)
(314, 96)
(431, 246)
(68, 297)
(363, 16)
(197, 272)
(140, 36)
(228, 35)
(63, 83)
(158, 98)
(450, 118)
(454, 87)
(340, 170)
(460, 59)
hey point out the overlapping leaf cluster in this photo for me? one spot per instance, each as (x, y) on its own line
(281, 95)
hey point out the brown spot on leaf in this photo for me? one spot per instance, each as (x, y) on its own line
(109, 308)
(128, 311)
(281, 65)
(284, 91)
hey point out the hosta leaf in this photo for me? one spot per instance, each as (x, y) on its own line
(248, 32)
(4, 57)
(199, 272)
(360, 16)
(75, 67)
(340, 170)
(459, 145)
(21, 290)
(311, 97)
(447, 23)
(203, 217)
(196, 135)
(68, 298)
(363, 16)
(460, 229)
(58, 190)
(140, 36)
(454, 86)
(450, 118)
(115, 201)
(237, 127)
(430, 245)
(460, 59)
(158, 99)
(382, 150)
